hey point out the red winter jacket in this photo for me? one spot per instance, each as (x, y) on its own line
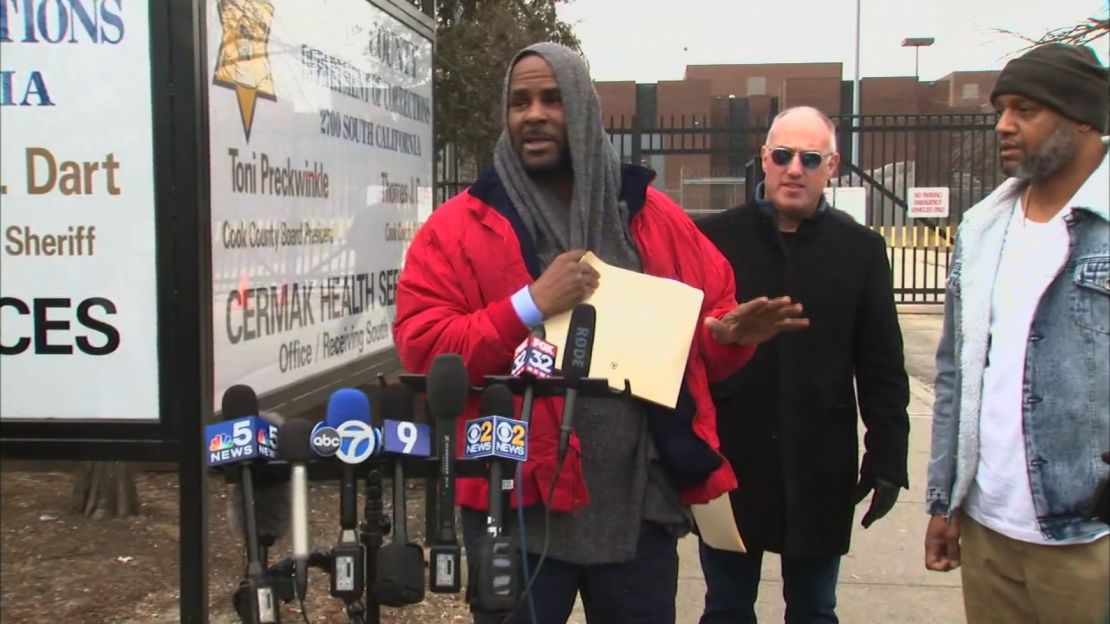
(454, 297)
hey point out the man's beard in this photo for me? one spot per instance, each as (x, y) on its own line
(1055, 153)
(559, 166)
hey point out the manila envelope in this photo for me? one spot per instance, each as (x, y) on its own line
(645, 325)
(717, 526)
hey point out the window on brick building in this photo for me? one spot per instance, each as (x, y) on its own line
(970, 91)
(757, 85)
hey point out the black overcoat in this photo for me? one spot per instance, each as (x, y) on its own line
(788, 420)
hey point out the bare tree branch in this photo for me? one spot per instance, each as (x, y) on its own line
(1083, 33)
(476, 40)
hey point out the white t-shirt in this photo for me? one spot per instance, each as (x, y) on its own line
(1001, 497)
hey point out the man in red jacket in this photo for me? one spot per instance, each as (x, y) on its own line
(501, 257)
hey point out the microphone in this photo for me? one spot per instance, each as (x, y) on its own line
(496, 586)
(348, 413)
(240, 404)
(497, 400)
(535, 356)
(539, 333)
(576, 364)
(534, 359)
(294, 446)
(271, 501)
(399, 573)
(241, 437)
(448, 387)
(271, 510)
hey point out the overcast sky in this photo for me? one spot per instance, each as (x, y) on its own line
(652, 40)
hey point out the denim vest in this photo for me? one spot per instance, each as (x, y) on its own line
(1066, 389)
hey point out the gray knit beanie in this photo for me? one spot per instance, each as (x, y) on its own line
(1067, 78)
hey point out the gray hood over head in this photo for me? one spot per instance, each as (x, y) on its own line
(596, 221)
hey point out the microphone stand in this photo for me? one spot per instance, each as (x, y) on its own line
(373, 529)
(372, 532)
(356, 612)
(248, 600)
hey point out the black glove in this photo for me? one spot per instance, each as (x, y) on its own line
(886, 494)
(1099, 507)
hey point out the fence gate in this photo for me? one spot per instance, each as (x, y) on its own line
(918, 175)
(711, 163)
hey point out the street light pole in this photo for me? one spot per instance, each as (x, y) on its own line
(917, 43)
(856, 97)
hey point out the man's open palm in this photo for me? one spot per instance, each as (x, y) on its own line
(757, 321)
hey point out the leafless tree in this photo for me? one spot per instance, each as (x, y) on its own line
(1083, 33)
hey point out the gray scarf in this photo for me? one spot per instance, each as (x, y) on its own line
(596, 220)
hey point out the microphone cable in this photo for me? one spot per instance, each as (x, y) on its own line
(525, 595)
(576, 365)
(304, 612)
(526, 416)
(546, 541)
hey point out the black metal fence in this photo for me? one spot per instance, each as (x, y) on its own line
(708, 167)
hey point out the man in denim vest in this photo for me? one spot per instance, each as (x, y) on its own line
(1021, 422)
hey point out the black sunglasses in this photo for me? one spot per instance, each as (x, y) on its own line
(783, 156)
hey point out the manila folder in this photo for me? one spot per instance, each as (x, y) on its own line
(645, 325)
(717, 526)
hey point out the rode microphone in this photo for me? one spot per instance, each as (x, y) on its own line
(448, 387)
(576, 365)
(294, 446)
(399, 572)
(239, 407)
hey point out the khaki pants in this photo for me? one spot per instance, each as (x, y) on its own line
(1007, 581)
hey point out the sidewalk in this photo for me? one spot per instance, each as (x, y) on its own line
(883, 579)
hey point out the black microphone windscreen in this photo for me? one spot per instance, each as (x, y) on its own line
(580, 342)
(497, 400)
(294, 444)
(239, 401)
(397, 402)
(448, 386)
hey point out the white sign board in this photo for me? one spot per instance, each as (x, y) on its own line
(78, 299)
(850, 199)
(928, 202)
(321, 147)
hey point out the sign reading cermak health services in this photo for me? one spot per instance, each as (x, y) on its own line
(78, 300)
(320, 126)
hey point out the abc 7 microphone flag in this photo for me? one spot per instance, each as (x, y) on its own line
(353, 441)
